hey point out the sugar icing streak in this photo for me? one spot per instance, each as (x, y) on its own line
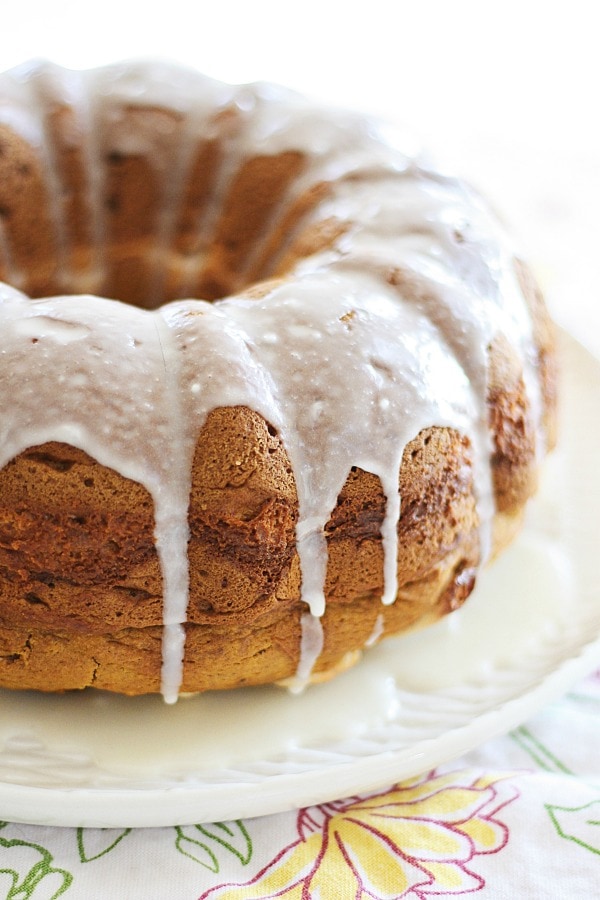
(311, 645)
(354, 353)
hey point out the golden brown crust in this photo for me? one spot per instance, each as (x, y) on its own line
(28, 228)
(544, 334)
(255, 193)
(133, 195)
(513, 429)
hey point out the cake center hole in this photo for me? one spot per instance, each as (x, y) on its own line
(147, 227)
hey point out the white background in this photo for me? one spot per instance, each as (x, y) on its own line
(507, 92)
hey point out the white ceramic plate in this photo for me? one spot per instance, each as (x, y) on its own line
(531, 629)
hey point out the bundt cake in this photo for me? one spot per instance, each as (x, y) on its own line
(254, 486)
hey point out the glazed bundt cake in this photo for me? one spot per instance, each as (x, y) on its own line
(254, 486)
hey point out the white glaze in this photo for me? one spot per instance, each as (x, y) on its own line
(311, 645)
(376, 633)
(362, 347)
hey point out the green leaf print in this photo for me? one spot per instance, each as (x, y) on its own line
(198, 842)
(26, 871)
(92, 843)
(580, 824)
(540, 754)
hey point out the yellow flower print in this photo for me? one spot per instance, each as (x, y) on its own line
(415, 841)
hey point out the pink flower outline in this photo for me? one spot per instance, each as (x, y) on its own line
(416, 840)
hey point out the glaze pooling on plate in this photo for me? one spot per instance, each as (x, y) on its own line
(357, 350)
